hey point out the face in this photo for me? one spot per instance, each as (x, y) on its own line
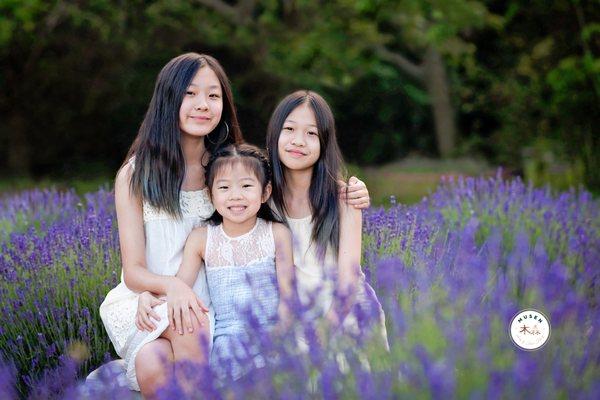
(298, 144)
(202, 104)
(237, 193)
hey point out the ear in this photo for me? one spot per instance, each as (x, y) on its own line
(267, 192)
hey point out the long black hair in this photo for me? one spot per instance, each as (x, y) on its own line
(252, 158)
(323, 191)
(159, 163)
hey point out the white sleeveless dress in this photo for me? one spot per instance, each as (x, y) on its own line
(165, 239)
(315, 280)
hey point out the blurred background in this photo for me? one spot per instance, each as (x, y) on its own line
(419, 88)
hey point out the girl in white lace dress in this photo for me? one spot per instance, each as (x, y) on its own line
(160, 199)
(327, 232)
(248, 259)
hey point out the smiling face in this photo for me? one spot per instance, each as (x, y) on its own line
(298, 145)
(237, 193)
(202, 105)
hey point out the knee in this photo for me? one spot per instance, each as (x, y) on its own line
(152, 365)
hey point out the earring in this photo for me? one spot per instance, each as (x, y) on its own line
(226, 127)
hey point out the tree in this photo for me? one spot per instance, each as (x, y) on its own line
(337, 41)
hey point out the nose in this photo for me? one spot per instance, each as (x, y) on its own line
(201, 104)
(298, 138)
(235, 194)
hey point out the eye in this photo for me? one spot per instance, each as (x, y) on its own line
(314, 133)
(215, 96)
(223, 187)
(248, 185)
(288, 128)
(190, 93)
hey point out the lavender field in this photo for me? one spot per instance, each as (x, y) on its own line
(450, 272)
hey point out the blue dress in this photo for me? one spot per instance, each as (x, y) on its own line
(242, 283)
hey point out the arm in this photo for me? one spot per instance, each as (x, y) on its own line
(193, 255)
(348, 262)
(355, 193)
(133, 252)
(284, 266)
(180, 302)
(132, 239)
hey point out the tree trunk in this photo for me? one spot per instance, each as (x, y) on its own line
(436, 82)
(19, 147)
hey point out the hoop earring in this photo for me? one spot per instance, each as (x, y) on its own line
(226, 127)
(226, 134)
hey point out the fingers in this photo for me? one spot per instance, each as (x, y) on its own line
(353, 181)
(171, 316)
(201, 305)
(187, 319)
(177, 318)
(199, 313)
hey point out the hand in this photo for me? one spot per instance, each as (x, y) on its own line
(146, 301)
(181, 303)
(355, 193)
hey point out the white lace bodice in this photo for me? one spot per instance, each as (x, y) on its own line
(193, 203)
(257, 245)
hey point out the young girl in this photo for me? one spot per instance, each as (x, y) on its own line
(160, 197)
(247, 255)
(307, 163)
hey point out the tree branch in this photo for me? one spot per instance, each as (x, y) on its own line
(409, 67)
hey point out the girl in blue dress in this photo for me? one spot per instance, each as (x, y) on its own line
(247, 256)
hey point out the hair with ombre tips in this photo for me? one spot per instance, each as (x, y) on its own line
(159, 162)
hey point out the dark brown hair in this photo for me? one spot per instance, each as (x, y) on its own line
(159, 163)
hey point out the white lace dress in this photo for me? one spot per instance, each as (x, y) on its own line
(165, 239)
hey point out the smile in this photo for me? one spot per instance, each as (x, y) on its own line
(237, 209)
(296, 153)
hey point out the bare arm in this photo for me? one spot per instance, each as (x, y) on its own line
(193, 255)
(348, 262)
(132, 240)
(284, 265)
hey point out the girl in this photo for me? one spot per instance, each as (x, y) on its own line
(160, 197)
(243, 249)
(307, 163)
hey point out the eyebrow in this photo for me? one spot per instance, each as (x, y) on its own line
(294, 122)
(210, 87)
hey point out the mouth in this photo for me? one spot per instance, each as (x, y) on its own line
(200, 118)
(296, 153)
(237, 209)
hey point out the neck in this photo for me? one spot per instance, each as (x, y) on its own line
(297, 184)
(193, 149)
(234, 229)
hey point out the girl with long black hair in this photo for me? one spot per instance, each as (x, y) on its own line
(307, 168)
(160, 198)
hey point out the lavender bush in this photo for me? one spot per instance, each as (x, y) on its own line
(450, 273)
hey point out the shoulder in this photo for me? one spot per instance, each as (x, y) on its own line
(123, 177)
(198, 235)
(280, 231)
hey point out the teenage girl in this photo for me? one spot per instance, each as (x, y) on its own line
(327, 232)
(160, 197)
(246, 253)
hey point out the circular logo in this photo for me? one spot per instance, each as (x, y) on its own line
(529, 329)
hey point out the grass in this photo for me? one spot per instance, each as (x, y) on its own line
(408, 180)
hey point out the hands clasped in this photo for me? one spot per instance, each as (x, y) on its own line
(182, 305)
